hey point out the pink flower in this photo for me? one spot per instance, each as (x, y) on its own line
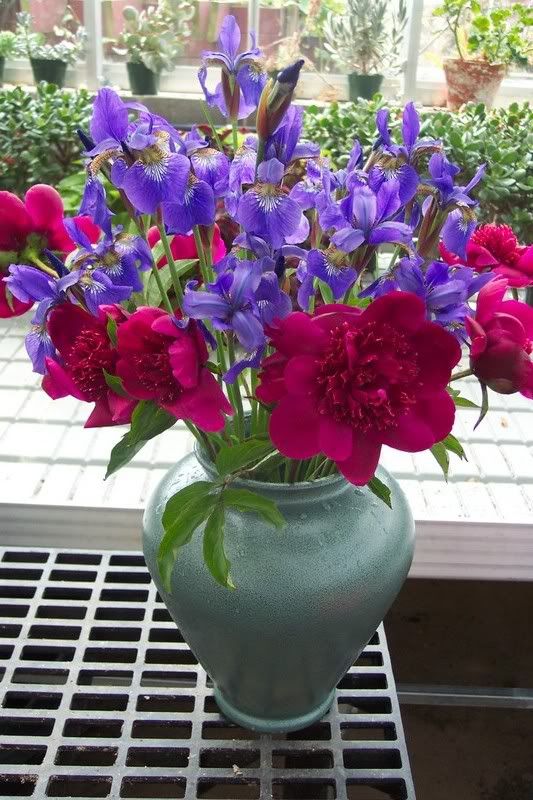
(29, 226)
(85, 350)
(184, 246)
(502, 341)
(496, 248)
(161, 361)
(345, 382)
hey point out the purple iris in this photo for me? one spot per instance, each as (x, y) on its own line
(93, 204)
(443, 288)
(119, 258)
(285, 143)
(306, 191)
(229, 303)
(241, 172)
(197, 207)
(266, 211)
(145, 164)
(242, 75)
(330, 266)
(366, 216)
(209, 164)
(272, 303)
(398, 162)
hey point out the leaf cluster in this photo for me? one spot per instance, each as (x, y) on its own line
(67, 45)
(156, 35)
(501, 137)
(368, 37)
(38, 138)
(8, 44)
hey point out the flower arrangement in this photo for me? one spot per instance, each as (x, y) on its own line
(238, 299)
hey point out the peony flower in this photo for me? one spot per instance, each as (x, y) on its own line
(344, 382)
(164, 360)
(29, 226)
(85, 351)
(502, 341)
(184, 247)
(496, 248)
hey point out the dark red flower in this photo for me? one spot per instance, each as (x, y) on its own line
(184, 247)
(166, 363)
(496, 248)
(83, 344)
(345, 382)
(29, 226)
(502, 341)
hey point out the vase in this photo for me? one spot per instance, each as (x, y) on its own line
(365, 86)
(142, 80)
(472, 81)
(51, 70)
(308, 597)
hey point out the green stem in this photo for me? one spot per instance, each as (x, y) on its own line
(212, 126)
(261, 144)
(239, 417)
(171, 263)
(201, 438)
(164, 296)
(235, 135)
(462, 374)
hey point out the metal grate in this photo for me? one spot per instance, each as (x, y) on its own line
(101, 697)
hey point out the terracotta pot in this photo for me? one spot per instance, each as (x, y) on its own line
(472, 81)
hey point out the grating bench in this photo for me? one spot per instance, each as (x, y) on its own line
(101, 697)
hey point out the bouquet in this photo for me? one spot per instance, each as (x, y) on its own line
(248, 296)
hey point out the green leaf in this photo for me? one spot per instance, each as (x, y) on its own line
(115, 384)
(214, 553)
(439, 452)
(153, 295)
(460, 402)
(484, 403)
(195, 503)
(382, 491)
(231, 459)
(326, 293)
(111, 328)
(147, 421)
(454, 446)
(245, 500)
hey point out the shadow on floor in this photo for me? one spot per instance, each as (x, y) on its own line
(474, 634)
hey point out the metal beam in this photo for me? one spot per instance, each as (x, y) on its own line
(473, 696)
(414, 32)
(92, 18)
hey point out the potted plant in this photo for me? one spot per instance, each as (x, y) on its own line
(289, 376)
(152, 40)
(7, 48)
(366, 40)
(49, 60)
(486, 43)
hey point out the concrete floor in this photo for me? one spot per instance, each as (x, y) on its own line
(473, 634)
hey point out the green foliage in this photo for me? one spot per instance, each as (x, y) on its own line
(440, 452)
(498, 35)
(380, 490)
(502, 138)
(367, 38)
(70, 39)
(206, 501)
(8, 42)
(147, 421)
(242, 455)
(38, 139)
(155, 36)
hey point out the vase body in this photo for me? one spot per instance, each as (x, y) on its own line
(49, 70)
(472, 81)
(142, 80)
(365, 86)
(308, 597)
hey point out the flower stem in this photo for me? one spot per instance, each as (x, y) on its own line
(260, 153)
(44, 267)
(164, 296)
(239, 417)
(171, 263)
(213, 128)
(235, 135)
(463, 374)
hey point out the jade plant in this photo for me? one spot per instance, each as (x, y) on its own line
(157, 35)
(68, 46)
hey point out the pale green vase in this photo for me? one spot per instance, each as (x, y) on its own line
(308, 597)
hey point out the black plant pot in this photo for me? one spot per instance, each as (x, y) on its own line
(2, 65)
(49, 70)
(365, 86)
(142, 80)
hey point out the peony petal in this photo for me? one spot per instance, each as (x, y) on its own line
(45, 207)
(15, 222)
(300, 375)
(437, 353)
(489, 298)
(335, 439)
(428, 422)
(66, 322)
(297, 335)
(399, 309)
(361, 465)
(16, 309)
(521, 311)
(100, 416)
(205, 405)
(58, 383)
(294, 427)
